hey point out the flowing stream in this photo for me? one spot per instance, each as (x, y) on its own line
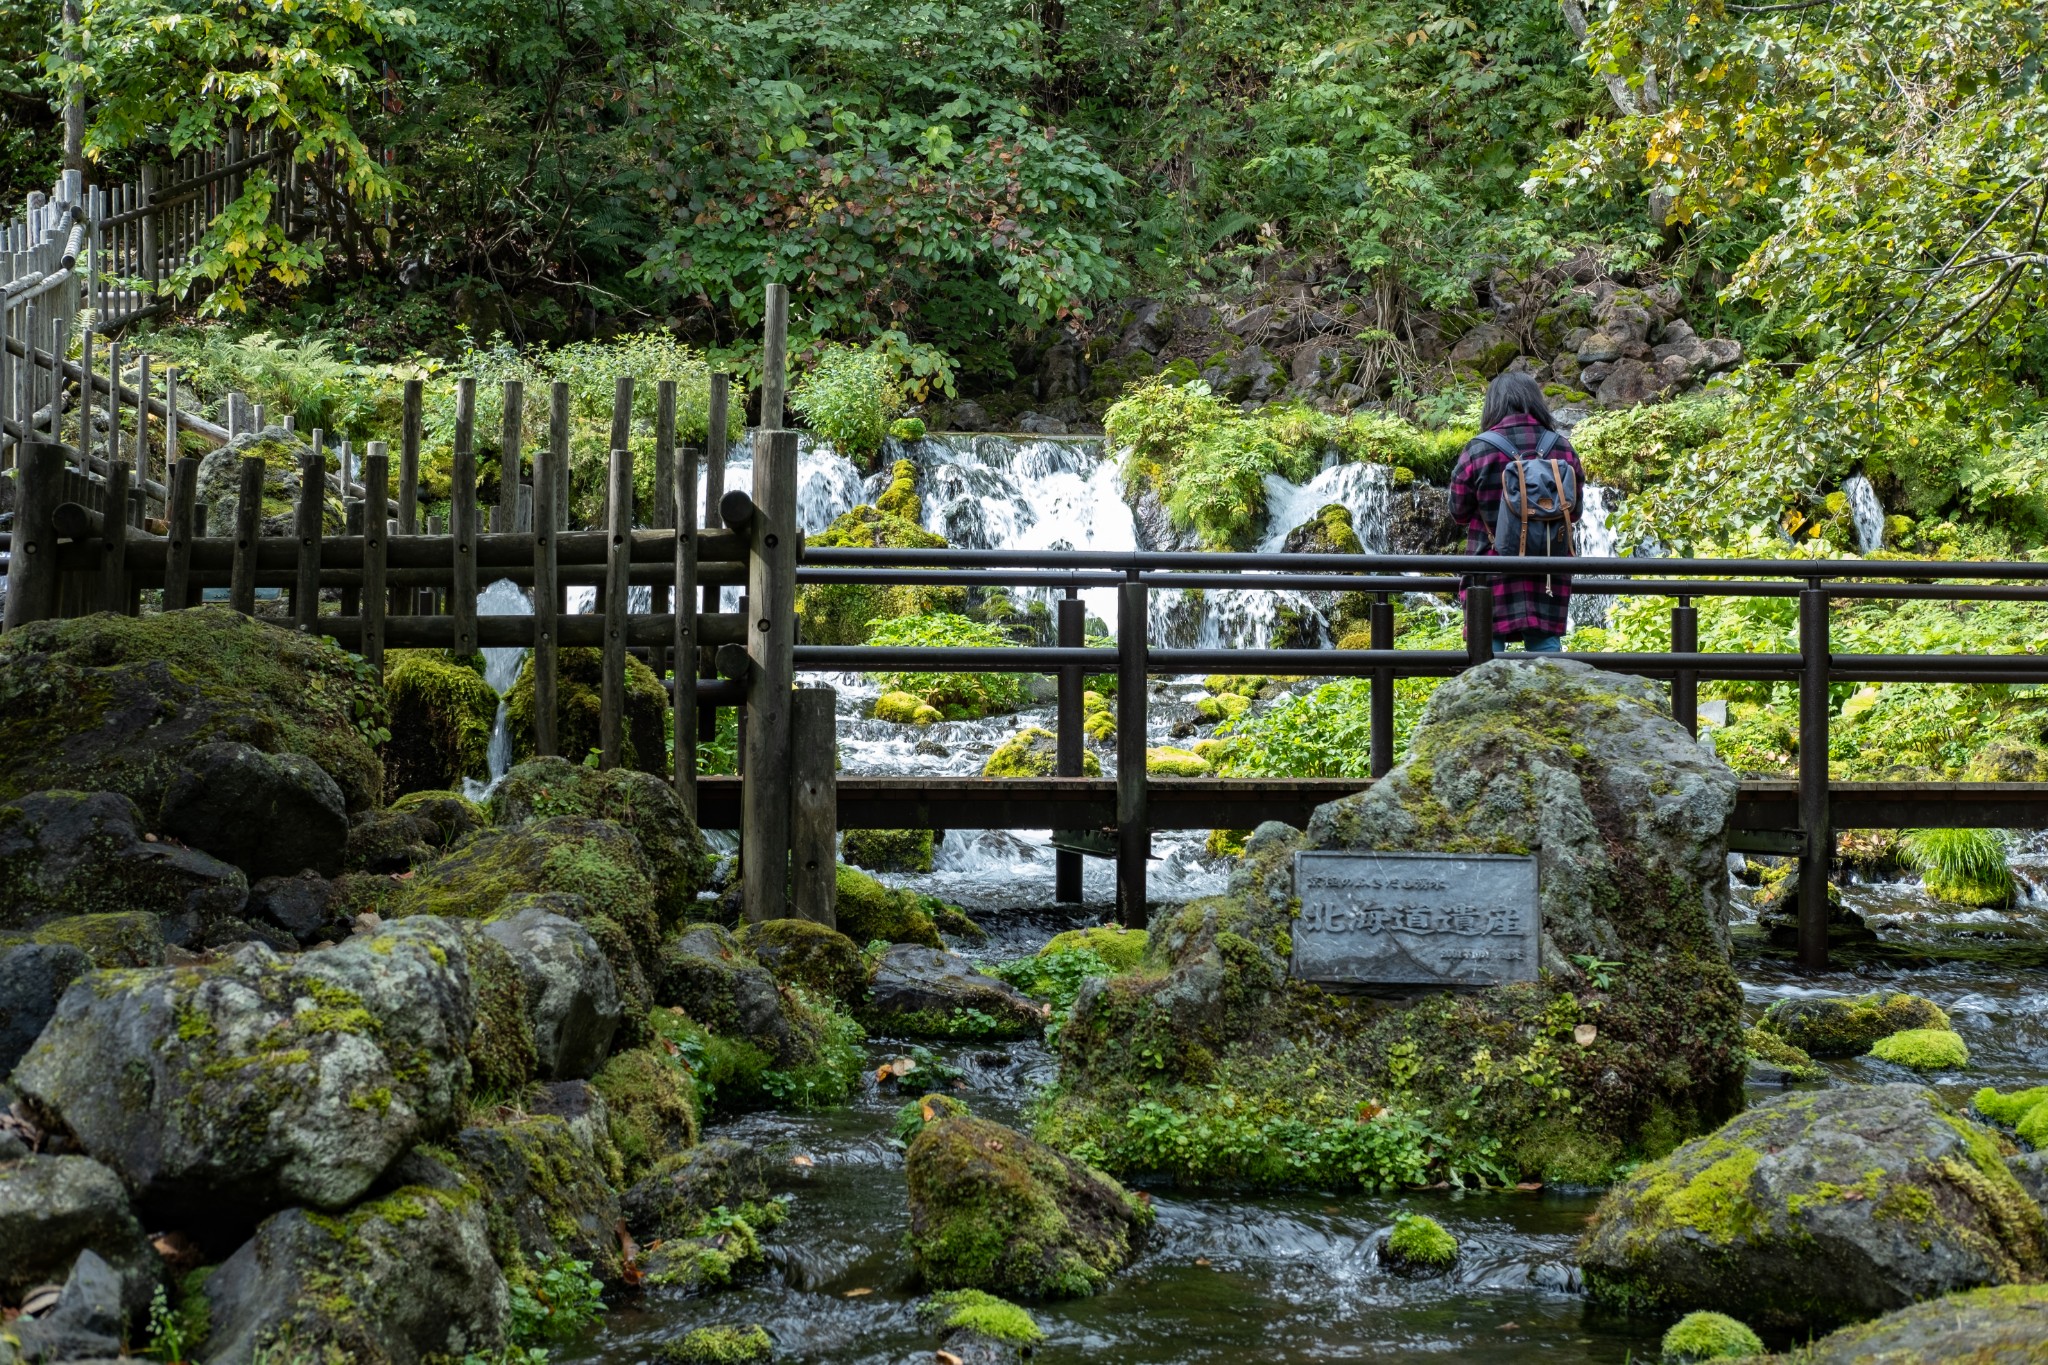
(1866, 511)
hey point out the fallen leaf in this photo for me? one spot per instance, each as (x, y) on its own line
(1530, 1185)
(801, 1160)
(858, 1293)
(1584, 1035)
(629, 1258)
(928, 1113)
(948, 1358)
(995, 1144)
(1511, 1327)
(1369, 1111)
(1201, 1260)
(149, 838)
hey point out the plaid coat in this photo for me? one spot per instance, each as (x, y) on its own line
(1519, 604)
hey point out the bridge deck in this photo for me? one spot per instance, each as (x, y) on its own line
(1240, 803)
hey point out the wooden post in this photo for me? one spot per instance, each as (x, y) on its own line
(617, 574)
(665, 503)
(1133, 837)
(1073, 634)
(248, 531)
(718, 418)
(462, 518)
(114, 406)
(152, 258)
(312, 514)
(683, 699)
(774, 356)
(32, 573)
(1815, 820)
(771, 641)
(114, 537)
(1685, 682)
(376, 527)
(409, 460)
(814, 804)
(506, 518)
(558, 450)
(545, 601)
(178, 556)
(622, 432)
(1381, 624)
(1478, 619)
(172, 454)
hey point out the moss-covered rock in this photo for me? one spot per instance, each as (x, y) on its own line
(1815, 1209)
(920, 992)
(644, 805)
(973, 1326)
(868, 911)
(900, 498)
(449, 817)
(1627, 816)
(115, 939)
(1329, 532)
(651, 1106)
(114, 703)
(1117, 946)
(85, 856)
(545, 1193)
(2000, 1326)
(722, 1345)
(2007, 761)
(802, 952)
(1923, 1049)
(673, 1199)
(1034, 752)
(1418, 1244)
(992, 1209)
(2015, 1110)
(906, 708)
(775, 1042)
(1167, 761)
(913, 1116)
(1844, 1026)
(54, 1207)
(724, 1245)
(1229, 706)
(840, 613)
(579, 707)
(1698, 1337)
(220, 484)
(1777, 1059)
(888, 850)
(442, 712)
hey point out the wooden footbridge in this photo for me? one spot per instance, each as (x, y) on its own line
(93, 530)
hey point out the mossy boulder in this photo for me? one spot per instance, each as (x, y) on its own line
(888, 850)
(114, 703)
(1699, 1337)
(1418, 1244)
(545, 1193)
(684, 1187)
(1229, 706)
(1329, 532)
(2023, 1111)
(645, 805)
(726, 1344)
(805, 953)
(220, 484)
(449, 817)
(84, 857)
(579, 710)
(33, 978)
(1815, 1209)
(1117, 946)
(918, 992)
(2007, 761)
(272, 815)
(906, 708)
(992, 1209)
(1167, 761)
(569, 991)
(914, 1116)
(1997, 1326)
(651, 1108)
(869, 910)
(1772, 1059)
(1923, 1049)
(843, 613)
(977, 1328)
(131, 938)
(229, 1089)
(1627, 817)
(395, 1280)
(724, 1245)
(54, 1207)
(1844, 1026)
(442, 712)
(767, 1041)
(900, 498)
(1034, 752)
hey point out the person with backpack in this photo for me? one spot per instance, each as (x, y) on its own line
(1517, 490)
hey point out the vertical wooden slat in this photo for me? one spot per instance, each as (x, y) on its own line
(718, 415)
(376, 513)
(409, 460)
(1816, 820)
(32, 569)
(114, 539)
(683, 700)
(814, 805)
(771, 641)
(617, 574)
(462, 518)
(774, 357)
(312, 515)
(664, 501)
(172, 455)
(142, 461)
(544, 602)
(1071, 633)
(507, 515)
(1133, 832)
(248, 527)
(178, 562)
(114, 398)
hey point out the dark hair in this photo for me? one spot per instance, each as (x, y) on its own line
(1514, 393)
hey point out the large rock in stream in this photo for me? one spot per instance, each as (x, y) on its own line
(2003, 1326)
(1629, 1041)
(1815, 1209)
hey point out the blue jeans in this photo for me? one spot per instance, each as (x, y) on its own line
(1533, 642)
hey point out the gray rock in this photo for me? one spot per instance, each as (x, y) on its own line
(1723, 353)
(1815, 1209)
(1485, 350)
(220, 483)
(52, 1208)
(32, 979)
(393, 1281)
(549, 1188)
(2004, 1326)
(1040, 424)
(578, 1104)
(90, 1319)
(926, 992)
(1602, 347)
(644, 805)
(1149, 329)
(68, 853)
(721, 986)
(572, 994)
(968, 415)
(672, 1199)
(1248, 376)
(222, 1091)
(1419, 522)
(1628, 383)
(297, 905)
(272, 815)
(2031, 1170)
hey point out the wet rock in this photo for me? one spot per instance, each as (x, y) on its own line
(968, 415)
(1041, 424)
(2001, 1326)
(674, 1197)
(255, 1081)
(1846, 1026)
(726, 1344)
(386, 842)
(868, 910)
(33, 977)
(52, 1208)
(1419, 522)
(808, 954)
(2031, 1170)
(995, 1210)
(90, 1319)
(549, 1188)
(719, 985)
(269, 814)
(297, 905)
(650, 1107)
(393, 1281)
(578, 1104)
(1628, 383)
(66, 853)
(1330, 532)
(572, 994)
(114, 703)
(1816, 1209)
(926, 993)
(641, 803)
(976, 1328)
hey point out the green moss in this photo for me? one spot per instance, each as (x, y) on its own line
(913, 1115)
(724, 1345)
(644, 805)
(868, 910)
(906, 708)
(132, 938)
(1770, 1048)
(451, 814)
(579, 706)
(1845, 1027)
(1420, 1243)
(822, 961)
(1033, 752)
(2008, 1109)
(442, 713)
(1118, 947)
(900, 498)
(1965, 866)
(651, 1103)
(1709, 1336)
(1171, 762)
(888, 850)
(1229, 706)
(841, 613)
(1923, 1049)
(724, 1243)
(972, 1310)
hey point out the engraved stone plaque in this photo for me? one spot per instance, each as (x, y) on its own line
(1415, 919)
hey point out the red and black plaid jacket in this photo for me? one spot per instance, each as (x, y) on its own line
(1519, 604)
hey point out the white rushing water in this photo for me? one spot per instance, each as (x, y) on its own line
(1593, 538)
(1867, 512)
(501, 597)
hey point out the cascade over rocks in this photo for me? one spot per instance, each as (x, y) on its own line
(68, 853)
(1627, 816)
(1815, 1209)
(222, 1091)
(269, 814)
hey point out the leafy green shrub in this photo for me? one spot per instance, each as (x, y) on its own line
(848, 396)
(1631, 449)
(1967, 866)
(961, 696)
(553, 1302)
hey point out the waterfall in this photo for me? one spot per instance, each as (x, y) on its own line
(500, 597)
(1594, 539)
(1867, 512)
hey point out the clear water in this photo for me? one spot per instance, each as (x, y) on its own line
(1867, 512)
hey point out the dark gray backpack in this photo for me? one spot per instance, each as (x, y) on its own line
(1538, 498)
